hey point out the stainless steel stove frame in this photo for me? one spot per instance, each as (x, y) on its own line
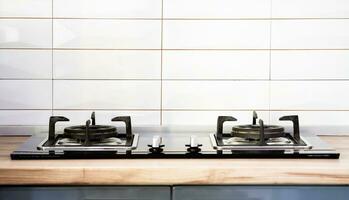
(134, 144)
(259, 147)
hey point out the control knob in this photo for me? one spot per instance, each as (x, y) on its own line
(156, 146)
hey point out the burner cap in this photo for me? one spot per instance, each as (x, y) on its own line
(96, 132)
(252, 131)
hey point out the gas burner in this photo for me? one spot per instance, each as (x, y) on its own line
(258, 132)
(96, 132)
(252, 131)
(90, 132)
(90, 137)
(259, 138)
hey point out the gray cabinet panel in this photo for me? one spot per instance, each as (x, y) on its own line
(85, 193)
(260, 193)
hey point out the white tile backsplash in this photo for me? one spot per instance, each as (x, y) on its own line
(313, 118)
(309, 95)
(106, 94)
(216, 9)
(310, 34)
(216, 64)
(209, 118)
(112, 64)
(215, 94)
(174, 62)
(216, 34)
(25, 64)
(24, 117)
(310, 8)
(25, 8)
(25, 33)
(139, 118)
(107, 9)
(25, 94)
(310, 64)
(107, 34)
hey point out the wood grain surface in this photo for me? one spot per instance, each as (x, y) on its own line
(174, 171)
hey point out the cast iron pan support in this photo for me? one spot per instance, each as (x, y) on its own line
(93, 118)
(87, 133)
(52, 127)
(220, 121)
(295, 121)
(261, 133)
(127, 120)
(255, 117)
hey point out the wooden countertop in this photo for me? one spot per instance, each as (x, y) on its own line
(174, 171)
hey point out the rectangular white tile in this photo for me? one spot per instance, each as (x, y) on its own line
(101, 64)
(310, 8)
(215, 94)
(138, 118)
(310, 34)
(310, 64)
(216, 64)
(114, 34)
(25, 94)
(24, 117)
(22, 33)
(309, 95)
(26, 64)
(216, 34)
(27, 8)
(94, 94)
(209, 118)
(216, 9)
(313, 118)
(107, 8)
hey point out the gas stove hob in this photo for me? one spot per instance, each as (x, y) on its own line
(89, 137)
(255, 140)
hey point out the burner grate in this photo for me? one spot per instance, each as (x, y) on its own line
(258, 135)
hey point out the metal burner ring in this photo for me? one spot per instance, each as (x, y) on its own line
(92, 129)
(252, 131)
(95, 132)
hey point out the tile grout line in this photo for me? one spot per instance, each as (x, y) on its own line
(161, 58)
(174, 19)
(202, 49)
(52, 77)
(181, 110)
(270, 57)
(178, 79)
